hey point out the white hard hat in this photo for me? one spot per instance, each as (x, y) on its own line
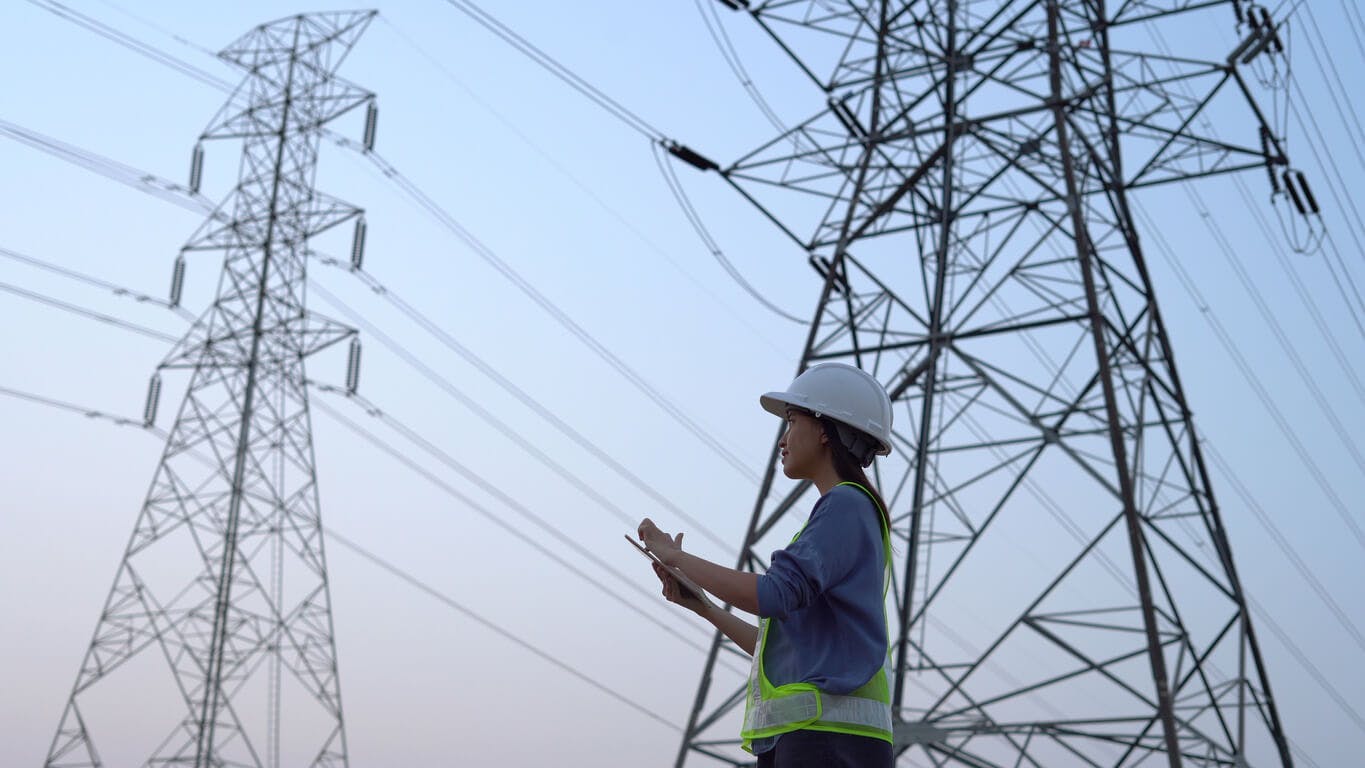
(845, 394)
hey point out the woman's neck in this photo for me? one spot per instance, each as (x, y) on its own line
(826, 478)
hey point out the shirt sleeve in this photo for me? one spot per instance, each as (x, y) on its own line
(833, 541)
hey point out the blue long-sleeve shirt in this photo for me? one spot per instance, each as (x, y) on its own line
(823, 594)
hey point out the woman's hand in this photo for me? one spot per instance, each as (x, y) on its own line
(674, 593)
(664, 547)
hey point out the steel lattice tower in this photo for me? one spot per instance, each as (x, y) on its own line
(221, 601)
(1063, 590)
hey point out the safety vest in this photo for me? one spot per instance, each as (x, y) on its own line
(771, 710)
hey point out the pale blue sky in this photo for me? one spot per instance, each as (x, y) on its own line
(572, 200)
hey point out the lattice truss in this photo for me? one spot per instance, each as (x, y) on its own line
(1064, 594)
(219, 618)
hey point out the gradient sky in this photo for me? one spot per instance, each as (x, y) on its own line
(573, 201)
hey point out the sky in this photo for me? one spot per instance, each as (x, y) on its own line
(572, 200)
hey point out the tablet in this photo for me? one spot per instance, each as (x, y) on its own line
(686, 585)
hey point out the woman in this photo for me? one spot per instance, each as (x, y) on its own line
(819, 692)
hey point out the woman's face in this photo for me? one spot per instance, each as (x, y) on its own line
(803, 446)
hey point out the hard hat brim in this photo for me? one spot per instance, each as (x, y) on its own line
(777, 404)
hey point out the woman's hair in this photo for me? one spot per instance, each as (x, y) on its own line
(848, 469)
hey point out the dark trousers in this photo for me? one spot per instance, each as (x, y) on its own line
(818, 749)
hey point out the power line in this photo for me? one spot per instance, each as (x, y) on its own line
(1287, 266)
(1229, 254)
(504, 633)
(596, 198)
(182, 196)
(680, 195)
(470, 403)
(144, 21)
(117, 290)
(613, 107)
(133, 44)
(1292, 555)
(473, 477)
(403, 575)
(88, 313)
(1264, 618)
(90, 413)
(1249, 374)
(1227, 341)
(1345, 93)
(707, 10)
(181, 65)
(657, 137)
(522, 396)
(443, 217)
(1331, 172)
(1347, 8)
(140, 180)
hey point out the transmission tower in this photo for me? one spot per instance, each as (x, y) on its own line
(1063, 591)
(220, 607)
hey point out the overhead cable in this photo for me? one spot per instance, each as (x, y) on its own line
(1350, 108)
(707, 10)
(89, 413)
(1325, 330)
(382, 563)
(1249, 374)
(613, 107)
(657, 137)
(117, 290)
(507, 431)
(500, 631)
(153, 25)
(125, 174)
(680, 195)
(133, 44)
(1286, 548)
(88, 313)
(1265, 619)
(1277, 330)
(443, 217)
(1351, 212)
(592, 195)
(1354, 22)
(526, 514)
(1230, 345)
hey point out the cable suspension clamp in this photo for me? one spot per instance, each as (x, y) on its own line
(845, 116)
(690, 156)
(1297, 186)
(822, 266)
